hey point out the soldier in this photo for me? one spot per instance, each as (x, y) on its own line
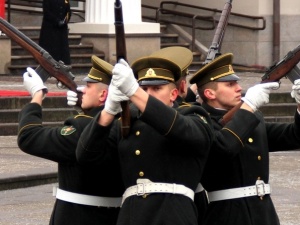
(163, 155)
(86, 194)
(236, 174)
(185, 98)
(54, 29)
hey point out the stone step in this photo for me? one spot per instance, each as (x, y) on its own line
(74, 49)
(75, 59)
(55, 111)
(77, 69)
(73, 39)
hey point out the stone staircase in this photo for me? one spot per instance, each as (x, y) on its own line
(281, 108)
(55, 111)
(80, 54)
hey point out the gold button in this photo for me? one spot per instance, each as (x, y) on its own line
(137, 152)
(250, 140)
(145, 196)
(141, 174)
(258, 178)
(259, 157)
(137, 133)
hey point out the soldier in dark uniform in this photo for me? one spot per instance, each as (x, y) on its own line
(185, 98)
(236, 174)
(54, 29)
(86, 194)
(163, 156)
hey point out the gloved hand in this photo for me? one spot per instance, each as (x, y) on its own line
(258, 95)
(32, 82)
(124, 79)
(112, 103)
(72, 96)
(61, 23)
(60, 85)
(296, 91)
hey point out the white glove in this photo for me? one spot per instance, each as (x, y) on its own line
(124, 79)
(112, 103)
(296, 91)
(60, 85)
(33, 82)
(258, 95)
(72, 96)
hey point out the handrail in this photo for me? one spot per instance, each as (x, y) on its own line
(187, 15)
(163, 3)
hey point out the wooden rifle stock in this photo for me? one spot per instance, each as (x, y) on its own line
(121, 54)
(48, 66)
(287, 67)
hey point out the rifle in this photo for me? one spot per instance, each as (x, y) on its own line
(121, 54)
(287, 67)
(47, 65)
(214, 50)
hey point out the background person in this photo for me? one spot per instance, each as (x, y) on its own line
(54, 30)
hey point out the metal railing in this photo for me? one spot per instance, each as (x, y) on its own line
(176, 9)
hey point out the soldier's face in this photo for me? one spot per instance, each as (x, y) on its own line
(94, 95)
(226, 95)
(166, 93)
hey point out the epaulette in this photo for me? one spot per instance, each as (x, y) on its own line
(82, 115)
(185, 104)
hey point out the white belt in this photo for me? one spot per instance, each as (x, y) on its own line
(86, 199)
(259, 189)
(145, 186)
(199, 188)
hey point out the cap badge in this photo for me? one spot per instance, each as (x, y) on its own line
(150, 73)
(231, 69)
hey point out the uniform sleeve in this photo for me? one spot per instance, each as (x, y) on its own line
(231, 138)
(192, 127)
(97, 143)
(284, 136)
(57, 144)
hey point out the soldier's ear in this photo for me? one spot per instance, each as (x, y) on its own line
(209, 93)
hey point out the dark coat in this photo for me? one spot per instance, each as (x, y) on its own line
(238, 158)
(200, 198)
(173, 148)
(53, 35)
(58, 144)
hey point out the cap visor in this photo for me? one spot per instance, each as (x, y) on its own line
(231, 77)
(153, 82)
(87, 79)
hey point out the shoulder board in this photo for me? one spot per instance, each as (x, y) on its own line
(185, 104)
(82, 115)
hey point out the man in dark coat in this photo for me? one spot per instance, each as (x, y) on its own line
(86, 194)
(163, 156)
(54, 30)
(236, 174)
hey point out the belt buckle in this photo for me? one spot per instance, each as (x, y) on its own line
(140, 189)
(260, 184)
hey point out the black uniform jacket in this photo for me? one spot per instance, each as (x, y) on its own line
(238, 158)
(54, 37)
(200, 198)
(164, 145)
(59, 144)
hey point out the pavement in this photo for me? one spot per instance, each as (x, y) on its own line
(26, 181)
